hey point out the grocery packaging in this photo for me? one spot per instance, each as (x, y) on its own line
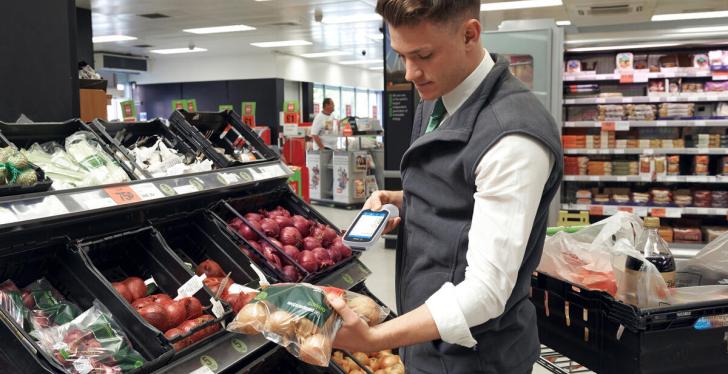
(656, 250)
(382, 362)
(707, 267)
(573, 66)
(625, 61)
(700, 166)
(92, 342)
(16, 170)
(297, 316)
(159, 160)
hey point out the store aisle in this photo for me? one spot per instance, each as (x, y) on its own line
(380, 261)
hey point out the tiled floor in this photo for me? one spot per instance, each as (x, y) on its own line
(380, 261)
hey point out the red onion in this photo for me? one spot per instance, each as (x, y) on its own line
(290, 274)
(253, 216)
(274, 260)
(246, 251)
(345, 250)
(323, 257)
(290, 236)
(341, 248)
(270, 227)
(283, 221)
(266, 247)
(302, 224)
(236, 222)
(292, 252)
(283, 211)
(276, 242)
(334, 253)
(317, 231)
(309, 243)
(255, 246)
(247, 232)
(308, 261)
(329, 236)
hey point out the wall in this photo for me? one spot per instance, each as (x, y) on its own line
(170, 69)
(84, 33)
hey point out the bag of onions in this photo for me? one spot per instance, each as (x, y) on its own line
(297, 316)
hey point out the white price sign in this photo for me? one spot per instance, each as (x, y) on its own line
(191, 286)
(93, 200)
(185, 189)
(147, 191)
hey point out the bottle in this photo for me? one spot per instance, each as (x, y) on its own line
(656, 250)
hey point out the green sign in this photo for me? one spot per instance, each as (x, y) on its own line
(347, 278)
(290, 106)
(224, 107)
(209, 362)
(239, 345)
(179, 104)
(128, 110)
(191, 105)
(247, 109)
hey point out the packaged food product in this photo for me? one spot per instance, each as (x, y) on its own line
(297, 316)
(701, 165)
(710, 233)
(573, 66)
(716, 59)
(701, 61)
(687, 234)
(702, 198)
(666, 233)
(640, 198)
(647, 166)
(673, 165)
(683, 198)
(716, 86)
(661, 196)
(625, 61)
(656, 86)
(660, 165)
(719, 199)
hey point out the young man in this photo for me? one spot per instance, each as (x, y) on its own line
(483, 165)
(323, 121)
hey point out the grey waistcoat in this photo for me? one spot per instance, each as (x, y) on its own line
(438, 179)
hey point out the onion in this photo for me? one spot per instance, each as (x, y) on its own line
(329, 235)
(290, 274)
(255, 246)
(302, 224)
(317, 231)
(247, 232)
(283, 211)
(236, 222)
(322, 257)
(290, 236)
(292, 252)
(274, 260)
(308, 261)
(341, 248)
(315, 350)
(366, 308)
(334, 253)
(283, 221)
(276, 243)
(250, 319)
(309, 243)
(281, 322)
(253, 216)
(270, 227)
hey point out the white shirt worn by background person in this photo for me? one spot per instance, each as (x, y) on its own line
(509, 181)
(321, 123)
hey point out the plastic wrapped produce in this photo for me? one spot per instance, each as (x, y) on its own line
(11, 301)
(84, 148)
(46, 306)
(160, 160)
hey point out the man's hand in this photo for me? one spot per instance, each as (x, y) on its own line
(379, 198)
(355, 335)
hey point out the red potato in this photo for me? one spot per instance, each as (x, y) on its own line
(176, 312)
(136, 286)
(122, 290)
(193, 307)
(209, 268)
(156, 315)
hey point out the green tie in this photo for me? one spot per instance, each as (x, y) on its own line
(437, 115)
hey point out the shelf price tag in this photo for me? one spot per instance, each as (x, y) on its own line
(626, 77)
(123, 195)
(673, 212)
(661, 123)
(700, 123)
(657, 212)
(147, 191)
(596, 210)
(720, 75)
(601, 100)
(609, 126)
(93, 200)
(191, 287)
(627, 209)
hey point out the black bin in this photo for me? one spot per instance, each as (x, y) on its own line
(17, 355)
(67, 273)
(209, 130)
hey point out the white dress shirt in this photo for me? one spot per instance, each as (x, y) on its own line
(509, 181)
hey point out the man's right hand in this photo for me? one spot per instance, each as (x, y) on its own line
(379, 198)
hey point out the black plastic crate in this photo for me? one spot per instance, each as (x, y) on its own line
(144, 253)
(68, 273)
(23, 135)
(224, 211)
(625, 339)
(122, 135)
(44, 183)
(17, 355)
(209, 130)
(196, 237)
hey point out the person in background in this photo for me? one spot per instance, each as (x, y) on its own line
(324, 120)
(483, 165)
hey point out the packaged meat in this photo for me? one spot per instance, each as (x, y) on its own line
(719, 199)
(702, 199)
(700, 166)
(661, 196)
(687, 234)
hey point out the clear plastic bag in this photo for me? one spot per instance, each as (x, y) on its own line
(11, 301)
(708, 267)
(91, 343)
(46, 306)
(298, 317)
(595, 258)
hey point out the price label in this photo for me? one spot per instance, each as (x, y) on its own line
(191, 287)
(626, 78)
(621, 125)
(228, 178)
(610, 210)
(93, 200)
(619, 151)
(123, 195)
(217, 309)
(720, 75)
(700, 123)
(596, 210)
(147, 191)
(640, 211)
(570, 101)
(601, 100)
(654, 99)
(185, 189)
(673, 212)
(608, 126)
(703, 150)
(661, 123)
(657, 212)
(621, 179)
(627, 209)
(648, 151)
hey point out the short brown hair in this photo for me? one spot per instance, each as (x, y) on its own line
(328, 101)
(411, 12)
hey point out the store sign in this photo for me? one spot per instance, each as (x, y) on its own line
(348, 110)
(191, 105)
(374, 111)
(224, 107)
(128, 110)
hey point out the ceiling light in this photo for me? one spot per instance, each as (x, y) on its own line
(506, 5)
(377, 68)
(563, 23)
(177, 50)
(704, 29)
(120, 86)
(618, 47)
(354, 18)
(698, 15)
(377, 37)
(361, 62)
(281, 43)
(325, 54)
(112, 38)
(219, 29)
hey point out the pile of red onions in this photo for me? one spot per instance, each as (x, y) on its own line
(313, 245)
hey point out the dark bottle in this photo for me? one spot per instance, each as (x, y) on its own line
(657, 251)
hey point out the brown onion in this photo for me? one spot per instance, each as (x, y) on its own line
(250, 319)
(315, 350)
(270, 227)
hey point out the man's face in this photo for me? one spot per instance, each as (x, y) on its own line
(433, 54)
(329, 108)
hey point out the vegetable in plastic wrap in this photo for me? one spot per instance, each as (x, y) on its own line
(57, 164)
(11, 301)
(92, 342)
(160, 160)
(46, 306)
(85, 150)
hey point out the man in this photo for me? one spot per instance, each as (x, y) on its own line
(323, 121)
(484, 163)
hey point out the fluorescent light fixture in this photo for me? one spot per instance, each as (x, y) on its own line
(563, 23)
(172, 51)
(219, 29)
(377, 36)
(361, 62)
(112, 38)
(281, 43)
(698, 15)
(354, 18)
(704, 29)
(325, 54)
(120, 86)
(522, 4)
(627, 46)
(377, 68)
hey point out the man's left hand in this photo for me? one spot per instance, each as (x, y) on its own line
(355, 335)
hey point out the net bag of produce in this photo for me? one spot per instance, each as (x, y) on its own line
(92, 342)
(298, 317)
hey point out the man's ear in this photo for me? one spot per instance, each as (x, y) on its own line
(472, 32)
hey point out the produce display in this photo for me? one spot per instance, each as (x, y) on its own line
(159, 160)
(382, 362)
(223, 287)
(91, 343)
(176, 317)
(79, 162)
(39, 305)
(15, 168)
(290, 243)
(298, 317)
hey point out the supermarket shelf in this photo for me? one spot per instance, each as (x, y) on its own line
(626, 125)
(615, 77)
(646, 151)
(57, 204)
(647, 99)
(643, 211)
(220, 355)
(606, 178)
(693, 178)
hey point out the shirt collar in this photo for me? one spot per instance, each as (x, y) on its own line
(454, 99)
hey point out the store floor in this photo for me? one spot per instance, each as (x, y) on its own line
(380, 261)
